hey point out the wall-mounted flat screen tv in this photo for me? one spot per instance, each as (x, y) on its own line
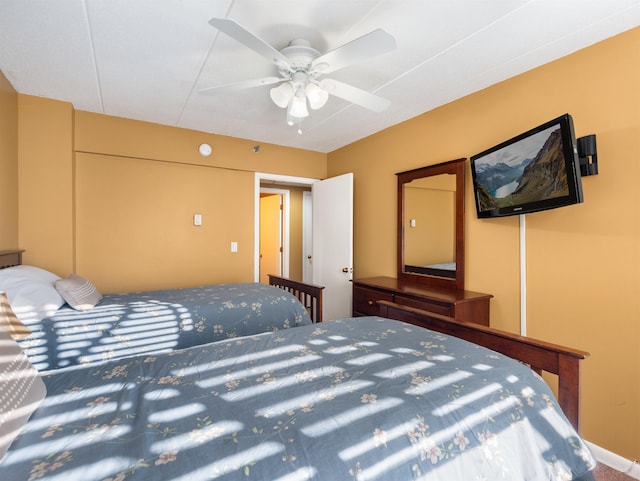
(537, 170)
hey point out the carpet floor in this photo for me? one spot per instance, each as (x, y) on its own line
(605, 473)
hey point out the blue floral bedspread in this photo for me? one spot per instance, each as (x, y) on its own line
(355, 399)
(144, 322)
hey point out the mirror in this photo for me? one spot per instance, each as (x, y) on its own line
(431, 225)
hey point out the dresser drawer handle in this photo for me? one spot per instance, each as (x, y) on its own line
(370, 302)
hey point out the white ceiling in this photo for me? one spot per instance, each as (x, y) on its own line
(148, 59)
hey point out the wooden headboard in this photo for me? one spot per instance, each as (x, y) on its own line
(309, 295)
(10, 258)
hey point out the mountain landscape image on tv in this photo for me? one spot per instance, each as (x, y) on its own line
(530, 170)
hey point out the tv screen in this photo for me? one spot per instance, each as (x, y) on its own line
(537, 170)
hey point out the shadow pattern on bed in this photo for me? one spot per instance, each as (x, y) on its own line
(122, 325)
(355, 399)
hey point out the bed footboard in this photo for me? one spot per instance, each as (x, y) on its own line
(539, 355)
(309, 295)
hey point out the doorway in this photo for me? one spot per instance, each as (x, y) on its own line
(332, 238)
(274, 233)
(282, 181)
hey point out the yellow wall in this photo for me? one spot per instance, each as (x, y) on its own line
(116, 136)
(8, 165)
(583, 261)
(113, 199)
(134, 223)
(45, 182)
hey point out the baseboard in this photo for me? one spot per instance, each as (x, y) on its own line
(615, 461)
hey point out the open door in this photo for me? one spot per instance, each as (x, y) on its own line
(333, 243)
(332, 238)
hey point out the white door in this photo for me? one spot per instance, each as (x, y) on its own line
(333, 243)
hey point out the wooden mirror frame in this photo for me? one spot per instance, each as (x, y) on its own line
(453, 167)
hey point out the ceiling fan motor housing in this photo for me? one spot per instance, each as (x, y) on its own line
(300, 54)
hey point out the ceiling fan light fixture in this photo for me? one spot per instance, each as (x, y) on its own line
(298, 105)
(317, 96)
(282, 94)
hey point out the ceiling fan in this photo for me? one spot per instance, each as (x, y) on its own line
(300, 66)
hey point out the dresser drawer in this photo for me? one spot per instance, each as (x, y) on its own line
(462, 305)
(365, 300)
(445, 309)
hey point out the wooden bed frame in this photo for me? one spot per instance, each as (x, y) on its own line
(10, 258)
(309, 295)
(539, 355)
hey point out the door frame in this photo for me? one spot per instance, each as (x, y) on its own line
(274, 179)
(307, 236)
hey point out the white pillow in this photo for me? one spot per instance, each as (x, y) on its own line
(22, 390)
(31, 292)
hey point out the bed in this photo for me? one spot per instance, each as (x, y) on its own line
(89, 327)
(445, 269)
(367, 398)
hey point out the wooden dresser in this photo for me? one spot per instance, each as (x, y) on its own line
(459, 304)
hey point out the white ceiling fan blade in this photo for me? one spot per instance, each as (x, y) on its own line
(370, 45)
(242, 35)
(243, 84)
(355, 95)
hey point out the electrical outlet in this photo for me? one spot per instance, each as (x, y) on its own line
(234, 247)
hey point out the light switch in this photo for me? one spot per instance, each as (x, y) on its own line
(197, 219)
(234, 247)
(412, 223)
